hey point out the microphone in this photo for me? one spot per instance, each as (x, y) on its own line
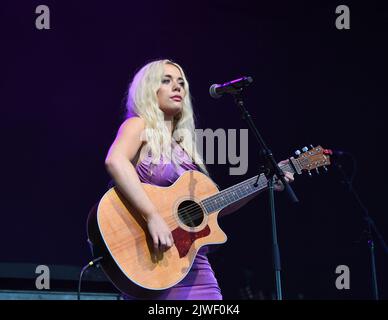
(234, 86)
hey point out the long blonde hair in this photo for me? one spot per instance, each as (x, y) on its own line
(142, 102)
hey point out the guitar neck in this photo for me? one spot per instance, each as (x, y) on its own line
(240, 191)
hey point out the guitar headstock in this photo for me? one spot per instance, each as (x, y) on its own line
(310, 159)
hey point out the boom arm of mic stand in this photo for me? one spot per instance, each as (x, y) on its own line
(271, 163)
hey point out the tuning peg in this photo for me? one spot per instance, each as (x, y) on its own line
(309, 172)
(311, 146)
(304, 149)
(316, 170)
(325, 168)
(297, 152)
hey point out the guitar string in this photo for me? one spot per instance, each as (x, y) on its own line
(261, 184)
(188, 210)
(171, 222)
(198, 213)
(189, 213)
(194, 212)
(141, 254)
(131, 259)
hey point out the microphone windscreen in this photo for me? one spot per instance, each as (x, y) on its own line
(212, 91)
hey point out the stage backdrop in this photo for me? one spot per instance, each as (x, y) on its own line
(62, 97)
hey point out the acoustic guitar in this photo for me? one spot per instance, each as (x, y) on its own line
(190, 207)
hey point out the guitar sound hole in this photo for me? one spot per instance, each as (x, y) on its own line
(190, 213)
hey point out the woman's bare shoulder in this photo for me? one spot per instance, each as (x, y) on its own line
(132, 124)
(129, 139)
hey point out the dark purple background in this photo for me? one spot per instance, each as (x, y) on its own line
(62, 93)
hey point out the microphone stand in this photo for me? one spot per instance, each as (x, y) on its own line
(370, 226)
(270, 169)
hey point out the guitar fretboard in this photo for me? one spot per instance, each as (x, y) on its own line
(239, 191)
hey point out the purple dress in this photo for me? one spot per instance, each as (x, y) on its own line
(200, 283)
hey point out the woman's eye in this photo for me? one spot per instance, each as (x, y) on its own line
(166, 81)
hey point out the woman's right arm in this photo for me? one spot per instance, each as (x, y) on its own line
(119, 165)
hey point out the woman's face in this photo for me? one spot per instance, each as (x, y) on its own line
(172, 91)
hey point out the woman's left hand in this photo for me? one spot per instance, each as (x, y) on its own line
(288, 176)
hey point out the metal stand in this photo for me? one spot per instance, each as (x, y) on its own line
(370, 226)
(270, 169)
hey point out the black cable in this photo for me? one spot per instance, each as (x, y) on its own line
(348, 181)
(370, 223)
(91, 263)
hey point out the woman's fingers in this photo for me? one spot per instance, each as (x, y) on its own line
(156, 243)
(288, 177)
(168, 243)
(160, 233)
(165, 242)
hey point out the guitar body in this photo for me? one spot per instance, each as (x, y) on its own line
(119, 233)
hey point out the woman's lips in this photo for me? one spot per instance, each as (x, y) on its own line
(176, 98)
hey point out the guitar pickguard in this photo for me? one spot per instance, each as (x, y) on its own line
(184, 239)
